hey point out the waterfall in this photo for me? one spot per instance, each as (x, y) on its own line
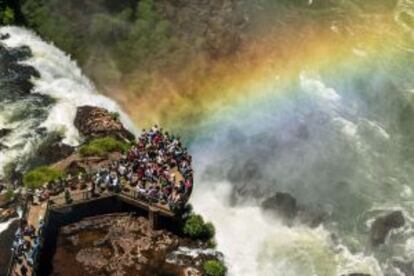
(51, 105)
(323, 143)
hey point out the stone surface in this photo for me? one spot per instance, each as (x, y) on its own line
(4, 201)
(122, 244)
(4, 132)
(283, 204)
(6, 240)
(7, 214)
(286, 206)
(407, 268)
(383, 225)
(93, 122)
(51, 151)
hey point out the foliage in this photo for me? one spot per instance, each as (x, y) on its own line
(103, 146)
(41, 175)
(7, 16)
(108, 38)
(214, 268)
(115, 116)
(196, 228)
(9, 195)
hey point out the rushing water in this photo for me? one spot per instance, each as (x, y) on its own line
(50, 107)
(325, 145)
(328, 148)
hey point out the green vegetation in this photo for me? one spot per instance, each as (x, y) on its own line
(6, 16)
(39, 176)
(214, 268)
(196, 228)
(103, 146)
(115, 116)
(118, 36)
(9, 195)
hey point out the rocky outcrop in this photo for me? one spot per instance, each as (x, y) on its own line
(383, 225)
(312, 216)
(4, 201)
(406, 267)
(283, 204)
(4, 36)
(7, 214)
(93, 122)
(4, 132)
(51, 151)
(6, 240)
(121, 244)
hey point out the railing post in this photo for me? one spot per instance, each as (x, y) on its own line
(153, 214)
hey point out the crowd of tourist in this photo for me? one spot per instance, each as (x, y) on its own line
(26, 245)
(157, 168)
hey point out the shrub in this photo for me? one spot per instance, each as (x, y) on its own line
(210, 230)
(196, 228)
(115, 116)
(7, 16)
(9, 195)
(214, 268)
(103, 146)
(39, 176)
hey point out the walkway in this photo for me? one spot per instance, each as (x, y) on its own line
(37, 213)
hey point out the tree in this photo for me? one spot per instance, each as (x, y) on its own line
(6, 16)
(195, 227)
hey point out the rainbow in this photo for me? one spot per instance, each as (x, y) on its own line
(264, 69)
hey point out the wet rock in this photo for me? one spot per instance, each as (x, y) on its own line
(5, 201)
(287, 207)
(6, 240)
(407, 268)
(93, 122)
(283, 204)
(4, 36)
(4, 132)
(7, 214)
(120, 244)
(383, 225)
(3, 146)
(51, 151)
(312, 216)
(185, 256)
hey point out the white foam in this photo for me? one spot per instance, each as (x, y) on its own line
(62, 79)
(5, 225)
(254, 244)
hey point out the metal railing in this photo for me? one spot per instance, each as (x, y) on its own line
(76, 197)
(11, 264)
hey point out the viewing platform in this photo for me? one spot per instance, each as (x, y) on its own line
(47, 217)
(153, 178)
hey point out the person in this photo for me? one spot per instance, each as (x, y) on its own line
(68, 198)
(116, 184)
(188, 187)
(93, 187)
(23, 270)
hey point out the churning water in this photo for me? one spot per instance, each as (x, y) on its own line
(326, 145)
